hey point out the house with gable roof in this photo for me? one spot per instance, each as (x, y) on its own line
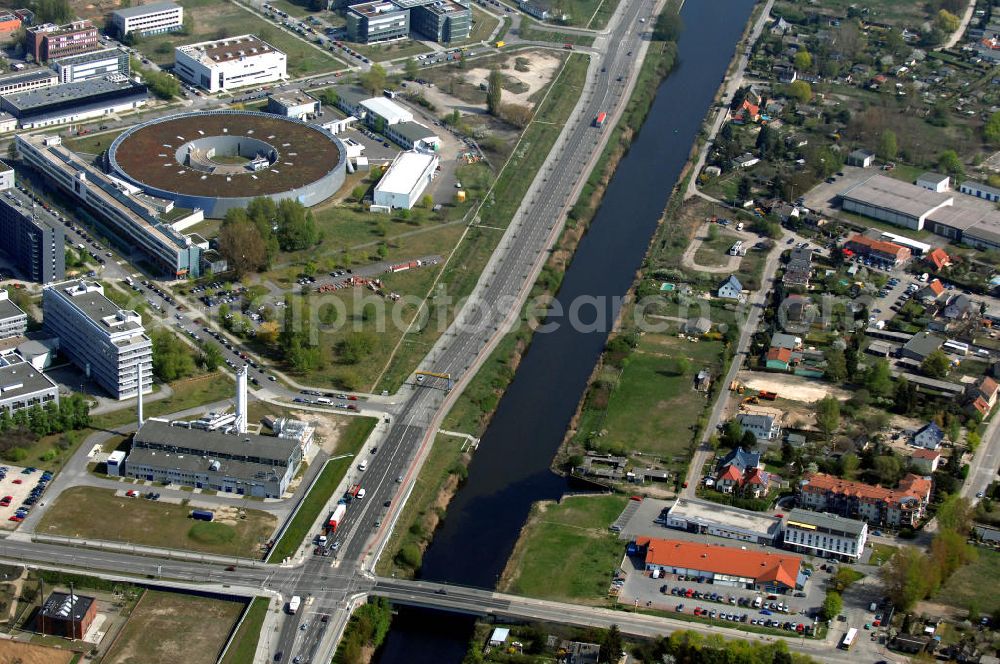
(731, 289)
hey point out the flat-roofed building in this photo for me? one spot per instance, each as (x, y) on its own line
(67, 615)
(95, 64)
(722, 565)
(13, 321)
(380, 110)
(133, 222)
(243, 464)
(32, 238)
(406, 179)
(9, 24)
(903, 506)
(441, 20)
(75, 102)
(298, 105)
(230, 63)
(152, 19)
(896, 202)
(23, 386)
(413, 136)
(376, 22)
(707, 518)
(980, 190)
(49, 41)
(108, 343)
(825, 535)
(25, 81)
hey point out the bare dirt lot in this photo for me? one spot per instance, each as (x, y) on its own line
(166, 628)
(12, 652)
(794, 388)
(541, 67)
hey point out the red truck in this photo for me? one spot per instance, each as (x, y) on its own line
(336, 518)
(600, 119)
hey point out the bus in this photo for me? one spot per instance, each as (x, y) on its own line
(849, 638)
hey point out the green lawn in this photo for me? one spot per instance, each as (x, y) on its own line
(244, 644)
(566, 551)
(651, 410)
(714, 253)
(482, 27)
(221, 19)
(98, 514)
(390, 51)
(415, 524)
(966, 586)
(167, 627)
(92, 143)
(881, 553)
(188, 393)
(530, 31)
(322, 489)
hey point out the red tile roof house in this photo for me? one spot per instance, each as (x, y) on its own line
(903, 506)
(938, 259)
(925, 461)
(986, 389)
(725, 566)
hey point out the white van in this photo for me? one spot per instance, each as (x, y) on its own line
(361, 494)
(324, 401)
(363, 466)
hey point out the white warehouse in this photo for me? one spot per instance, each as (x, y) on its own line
(406, 179)
(230, 63)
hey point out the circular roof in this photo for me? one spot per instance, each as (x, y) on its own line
(150, 154)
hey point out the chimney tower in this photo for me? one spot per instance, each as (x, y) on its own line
(138, 408)
(241, 400)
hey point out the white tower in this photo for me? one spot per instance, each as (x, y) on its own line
(138, 399)
(241, 400)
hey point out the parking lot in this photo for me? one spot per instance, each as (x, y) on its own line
(16, 488)
(723, 604)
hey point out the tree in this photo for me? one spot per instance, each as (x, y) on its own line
(172, 358)
(904, 577)
(210, 357)
(951, 163)
(668, 25)
(611, 645)
(161, 84)
(851, 361)
(267, 333)
(946, 22)
(296, 227)
(905, 397)
(732, 433)
(955, 513)
(887, 147)
(52, 11)
(849, 464)
(241, 244)
(800, 91)
(888, 469)
(836, 365)
(936, 364)
(748, 440)
(878, 379)
(374, 79)
(828, 415)
(494, 92)
(328, 96)
(991, 130)
(410, 69)
(803, 60)
(744, 189)
(832, 605)
(356, 346)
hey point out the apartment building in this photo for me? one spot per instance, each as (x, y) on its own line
(32, 238)
(825, 535)
(108, 343)
(903, 506)
(152, 19)
(49, 41)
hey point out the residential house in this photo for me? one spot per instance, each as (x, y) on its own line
(780, 27)
(903, 506)
(920, 346)
(986, 389)
(740, 458)
(938, 259)
(745, 160)
(747, 112)
(697, 326)
(958, 307)
(785, 73)
(929, 436)
(861, 158)
(799, 267)
(789, 341)
(924, 461)
(764, 426)
(730, 289)
(881, 251)
(779, 359)
(931, 292)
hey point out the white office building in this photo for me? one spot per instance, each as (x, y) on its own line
(152, 19)
(23, 386)
(825, 535)
(385, 111)
(230, 63)
(107, 343)
(96, 64)
(406, 179)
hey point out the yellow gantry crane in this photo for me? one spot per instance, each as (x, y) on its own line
(445, 376)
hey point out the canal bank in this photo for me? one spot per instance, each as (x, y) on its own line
(510, 471)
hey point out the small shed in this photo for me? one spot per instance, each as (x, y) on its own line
(862, 158)
(499, 636)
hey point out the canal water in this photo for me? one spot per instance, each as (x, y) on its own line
(510, 469)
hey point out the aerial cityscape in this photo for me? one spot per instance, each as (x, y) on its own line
(499, 331)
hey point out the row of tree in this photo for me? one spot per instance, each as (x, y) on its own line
(72, 412)
(250, 238)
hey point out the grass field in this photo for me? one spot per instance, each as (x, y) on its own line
(188, 393)
(420, 515)
(652, 410)
(965, 588)
(406, 48)
(92, 143)
(351, 441)
(94, 513)
(12, 652)
(881, 553)
(244, 644)
(714, 253)
(566, 551)
(225, 19)
(166, 628)
(530, 31)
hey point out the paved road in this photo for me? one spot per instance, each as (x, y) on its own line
(956, 36)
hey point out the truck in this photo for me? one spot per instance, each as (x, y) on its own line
(203, 515)
(501, 44)
(336, 518)
(600, 119)
(293, 604)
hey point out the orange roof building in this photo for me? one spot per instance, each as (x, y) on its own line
(902, 506)
(938, 258)
(887, 252)
(723, 565)
(936, 287)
